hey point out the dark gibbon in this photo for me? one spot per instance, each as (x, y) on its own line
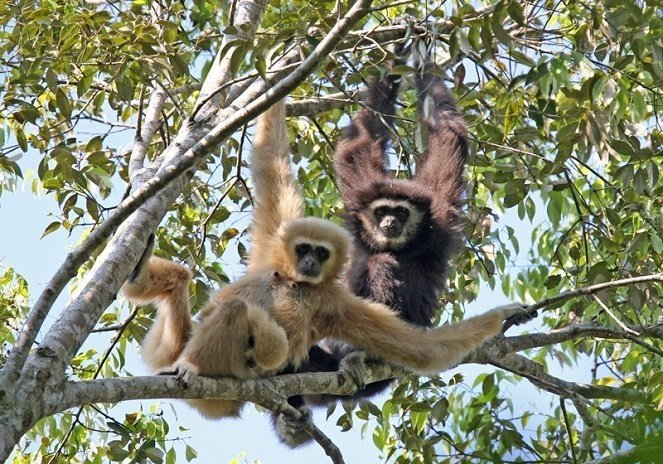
(293, 279)
(404, 231)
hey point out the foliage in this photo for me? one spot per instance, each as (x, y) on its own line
(562, 102)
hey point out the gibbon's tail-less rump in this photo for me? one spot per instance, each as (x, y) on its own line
(291, 296)
(404, 231)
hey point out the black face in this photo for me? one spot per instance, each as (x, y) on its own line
(310, 259)
(391, 221)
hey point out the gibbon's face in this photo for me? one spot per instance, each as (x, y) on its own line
(310, 250)
(313, 257)
(391, 223)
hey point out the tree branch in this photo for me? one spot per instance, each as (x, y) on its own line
(145, 131)
(647, 452)
(535, 373)
(119, 389)
(584, 329)
(564, 296)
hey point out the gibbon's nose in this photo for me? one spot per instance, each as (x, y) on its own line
(309, 266)
(391, 227)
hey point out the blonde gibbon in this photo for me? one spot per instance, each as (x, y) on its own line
(293, 279)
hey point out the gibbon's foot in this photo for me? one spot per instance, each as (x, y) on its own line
(354, 365)
(292, 431)
(516, 314)
(145, 257)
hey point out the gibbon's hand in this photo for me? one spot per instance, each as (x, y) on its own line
(250, 345)
(354, 365)
(403, 48)
(516, 314)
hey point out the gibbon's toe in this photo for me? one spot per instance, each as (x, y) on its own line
(292, 431)
(185, 373)
(354, 365)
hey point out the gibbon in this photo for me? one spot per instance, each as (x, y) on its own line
(293, 277)
(404, 231)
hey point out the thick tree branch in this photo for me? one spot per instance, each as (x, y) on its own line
(66, 336)
(248, 14)
(273, 388)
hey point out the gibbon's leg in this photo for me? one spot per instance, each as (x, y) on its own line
(234, 339)
(376, 329)
(359, 156)
(277, 197)
(440, 167)
(166, 284)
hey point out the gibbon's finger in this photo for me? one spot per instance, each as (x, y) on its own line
(520, 314)
(145, 257)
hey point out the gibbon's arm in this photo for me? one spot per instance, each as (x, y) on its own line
(277, 197)
(377, 330)
(440, 167)
(166, 284)
(361, 152)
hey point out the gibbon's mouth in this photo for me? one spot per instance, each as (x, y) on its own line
(391, 231)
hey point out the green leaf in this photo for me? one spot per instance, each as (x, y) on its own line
(190, 454)
(63, 103)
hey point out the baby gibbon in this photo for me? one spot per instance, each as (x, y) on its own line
(293, 277)
(249, 344)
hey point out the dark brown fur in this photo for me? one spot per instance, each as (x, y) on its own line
(409, 277)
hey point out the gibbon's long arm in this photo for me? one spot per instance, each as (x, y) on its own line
(360, 155)
(276, 193)
(440, 167)
(377, 330)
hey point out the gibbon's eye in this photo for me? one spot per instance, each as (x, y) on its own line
(380, 212)
(322, 253)
(402, 213)
(302, 249)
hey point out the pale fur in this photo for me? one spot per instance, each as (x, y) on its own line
(306, 309)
